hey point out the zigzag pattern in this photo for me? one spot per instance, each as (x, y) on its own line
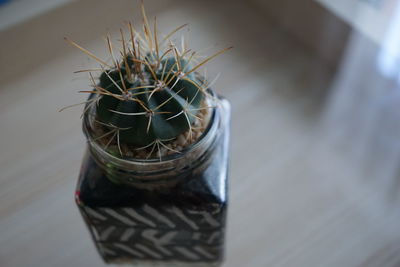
(148, 216)
(148, 233)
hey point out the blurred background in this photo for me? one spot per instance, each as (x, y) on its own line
(314, 86)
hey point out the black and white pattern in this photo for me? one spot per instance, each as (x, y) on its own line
(148, 233)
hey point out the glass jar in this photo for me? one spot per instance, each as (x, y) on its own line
(170, 211)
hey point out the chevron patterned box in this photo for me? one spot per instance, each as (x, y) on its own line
(183, 224)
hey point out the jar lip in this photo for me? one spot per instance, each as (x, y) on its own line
(211, 128)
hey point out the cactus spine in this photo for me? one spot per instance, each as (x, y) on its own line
(152, 93)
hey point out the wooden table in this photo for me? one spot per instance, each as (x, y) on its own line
(294, 201)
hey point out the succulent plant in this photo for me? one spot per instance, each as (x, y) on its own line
(149, 104)
(152, 93)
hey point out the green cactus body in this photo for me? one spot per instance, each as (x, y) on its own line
(151, 104)
(150, 97)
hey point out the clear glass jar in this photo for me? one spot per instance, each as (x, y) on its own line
(171, 211)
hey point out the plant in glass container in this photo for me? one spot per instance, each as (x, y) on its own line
(153, 183)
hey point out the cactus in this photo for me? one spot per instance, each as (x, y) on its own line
(152, 93)
(149, 105)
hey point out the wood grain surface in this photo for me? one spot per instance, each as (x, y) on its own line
(294, 199)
